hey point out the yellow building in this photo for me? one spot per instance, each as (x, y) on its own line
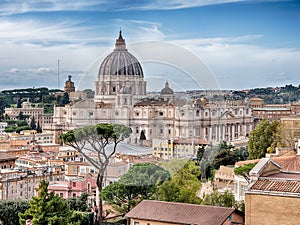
(27, 109)
(179, 148)
(273, 195)
(290, 129)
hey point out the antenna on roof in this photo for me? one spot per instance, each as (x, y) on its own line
(58, 74)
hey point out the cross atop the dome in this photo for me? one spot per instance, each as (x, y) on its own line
(120, 42)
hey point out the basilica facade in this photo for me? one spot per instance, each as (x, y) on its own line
(121, 97)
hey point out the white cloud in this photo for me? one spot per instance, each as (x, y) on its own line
(141, 30)
(242, 65)
(15, 6)
(31, 70)
(29, 32)
(30, 50)
(180, 4)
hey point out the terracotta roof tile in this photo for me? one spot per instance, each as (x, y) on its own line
(287, 186)
(180, 213)
(289, 163)
(197, 141)
(242, 163)
(286, 176)
(5, 157)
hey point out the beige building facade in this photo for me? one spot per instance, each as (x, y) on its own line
(273, 194)
(120, 97)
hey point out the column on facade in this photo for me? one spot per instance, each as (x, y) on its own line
(107, 88)
(244, 129)
(210, 133)
(233, 131)
(238, 130)
(218, 132)
(204, 133)
(227, 131)
(222, 132)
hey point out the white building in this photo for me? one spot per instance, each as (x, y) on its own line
(2, 127)
(120, 97)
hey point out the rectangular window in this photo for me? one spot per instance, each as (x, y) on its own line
(136, 223)
(243, 190)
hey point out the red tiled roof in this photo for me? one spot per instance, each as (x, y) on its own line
(242, 163)
(5, 157)
(289, 176)
(197, 141)
(288, 186)
(289, 163)
(181, 213)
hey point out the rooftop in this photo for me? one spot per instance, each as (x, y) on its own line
(5, 157)
(271, 109)
(180, 213)
(195, 141)
(272, 179)
(289, 163)
(277, 186)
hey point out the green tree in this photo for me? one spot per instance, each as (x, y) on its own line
(46, 208)
(225, 156)
(33, 123)
(285, 137)
(142, 136)
(21, 116)
(139, 183)
(97, 138)
(65, 99)
(183, 185)
(174, 165)
(261, 138)
(10, 129)
(39, 128)
(79, 204)
(241, 154)
(218, 199)
(207, 158)
(244, 170)
(19, 129)
(200, 153)
(21, 123)
(19, 104)
(79, 218)
(9, 211)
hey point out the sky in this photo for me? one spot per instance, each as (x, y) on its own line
(197, 44)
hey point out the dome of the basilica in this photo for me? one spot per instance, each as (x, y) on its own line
(166, 90)
(120, 61)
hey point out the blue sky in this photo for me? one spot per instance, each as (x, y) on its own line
(244, 44)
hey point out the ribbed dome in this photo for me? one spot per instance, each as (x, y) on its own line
(120, 61)
(166, 90)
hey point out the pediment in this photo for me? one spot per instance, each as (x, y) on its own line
(227, 114)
